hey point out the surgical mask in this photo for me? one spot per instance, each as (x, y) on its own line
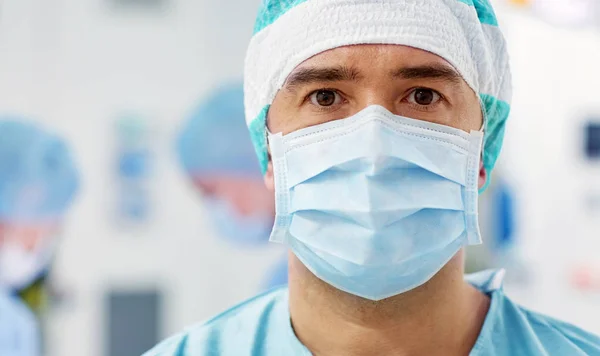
(243, 230)
(20, 266)
(376, 204)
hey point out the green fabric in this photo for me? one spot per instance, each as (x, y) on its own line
(485, 12)
(496, 112)
(271, 10)
(258, 133)
(35, 295)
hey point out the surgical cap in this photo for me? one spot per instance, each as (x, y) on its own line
(463, 32)
(214, 140)
(38, 178)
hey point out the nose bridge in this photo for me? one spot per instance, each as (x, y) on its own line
(379, 95)
(371, 136)
(375, 142)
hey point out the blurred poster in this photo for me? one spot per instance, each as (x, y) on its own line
(139, 6)
(38, 182)
(592, 140)
(133, 170)
(572, 13)
(217, 154)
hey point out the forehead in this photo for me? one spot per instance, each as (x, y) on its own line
(374, 56)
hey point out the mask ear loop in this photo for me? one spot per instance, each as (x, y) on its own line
(483, 130)
(282, 198)
(484, 115)
(477, 143)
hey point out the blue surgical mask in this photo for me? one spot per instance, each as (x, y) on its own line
(242, 230)
(376, 204)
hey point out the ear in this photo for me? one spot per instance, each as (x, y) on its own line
(482, 175)
(268, 178)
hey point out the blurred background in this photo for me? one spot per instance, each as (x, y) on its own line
(128, 116)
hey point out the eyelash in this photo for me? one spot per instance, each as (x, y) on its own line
(323, 108)
(405, 99)
(424, 107)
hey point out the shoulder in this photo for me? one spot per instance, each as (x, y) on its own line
(19, 332)
(525, 332)
(510, 329)
(562, 335)
(15, 313)
(241, 323)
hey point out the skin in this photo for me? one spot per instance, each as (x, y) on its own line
(247, 195)
(445, 315)
(29, 236)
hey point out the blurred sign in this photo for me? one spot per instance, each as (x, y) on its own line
(140, 4)
(592, 140)
(133, 322)
(133, 169)
(573, 13)
(585, 278)
(520, 2)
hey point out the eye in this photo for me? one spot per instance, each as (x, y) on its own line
(325, 98)
(423, 97)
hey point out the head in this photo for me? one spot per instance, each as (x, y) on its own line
(216, 152)
(341, 82)
(438, 61)
(38, 181)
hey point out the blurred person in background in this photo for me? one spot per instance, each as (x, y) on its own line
(377, 123)
(38, 181)
(217, 154)
(19, 329)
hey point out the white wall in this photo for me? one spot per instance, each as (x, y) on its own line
(555, 90)
(74, 65)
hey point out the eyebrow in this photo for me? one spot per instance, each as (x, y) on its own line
(429, 71)
(305, 76)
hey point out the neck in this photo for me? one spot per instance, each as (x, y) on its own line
(446, 312)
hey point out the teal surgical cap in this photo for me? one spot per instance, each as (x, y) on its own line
(38, 178)
(463, 32)
(214, 140)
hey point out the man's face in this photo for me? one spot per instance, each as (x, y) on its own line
(247, 196)
(341, 82)
(29, 236)
(25, 252)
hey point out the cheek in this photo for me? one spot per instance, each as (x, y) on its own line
(467, 115)
(473, 113)
(282, 114)
(287, 114)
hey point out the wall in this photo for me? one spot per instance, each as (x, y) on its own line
(74, 65)
(555, 92)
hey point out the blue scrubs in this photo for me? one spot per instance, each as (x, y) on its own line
(19, 334)
(261, 327)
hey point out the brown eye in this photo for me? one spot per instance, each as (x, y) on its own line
(424, 97)
(325, 98)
